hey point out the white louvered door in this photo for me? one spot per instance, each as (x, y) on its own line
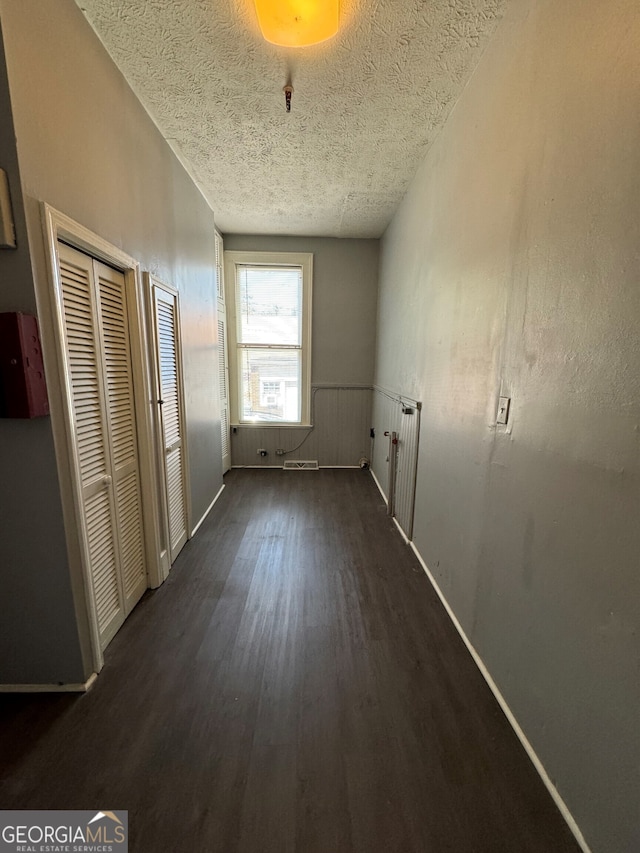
(171, 420)
(223, 363)
(121, 420)
(100, 376)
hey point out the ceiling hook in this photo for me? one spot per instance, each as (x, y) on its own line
(288, 91)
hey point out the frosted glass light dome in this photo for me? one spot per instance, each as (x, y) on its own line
(297, 23)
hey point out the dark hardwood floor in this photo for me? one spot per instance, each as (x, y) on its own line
(295, 685)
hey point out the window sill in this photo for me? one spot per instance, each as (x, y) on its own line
(270, 425)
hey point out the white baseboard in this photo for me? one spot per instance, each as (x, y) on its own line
(340, 467)
(560, 803)
(377, 482)
(49, 688)
(206, 512)
(265, 467)
(407, 541)
(280, 468)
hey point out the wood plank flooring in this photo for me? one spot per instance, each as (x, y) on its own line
(295, 685)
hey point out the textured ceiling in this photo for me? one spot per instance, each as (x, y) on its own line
(366, 104)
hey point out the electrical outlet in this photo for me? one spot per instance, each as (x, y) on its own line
(280, 451)
(262, 452)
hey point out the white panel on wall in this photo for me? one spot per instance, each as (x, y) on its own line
(393, 413)
(340, 438)
(406, 467)
(384, 418)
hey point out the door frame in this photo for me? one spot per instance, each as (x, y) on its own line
(57, 226)
(223, 346)
(150, 281)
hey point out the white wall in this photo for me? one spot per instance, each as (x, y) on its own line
(512, 267)
(87, 147)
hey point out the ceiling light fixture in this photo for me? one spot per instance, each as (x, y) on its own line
(297, 23)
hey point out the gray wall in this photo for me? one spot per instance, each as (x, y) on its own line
(88, 148)
(512, 266)
(29, 491)
(345, 278)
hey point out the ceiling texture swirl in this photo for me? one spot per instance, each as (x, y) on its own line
(365, 108)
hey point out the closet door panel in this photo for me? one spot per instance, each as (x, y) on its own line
(131, 545)
(172, 427)
(120, 412)
(104, 569)
(90, 436)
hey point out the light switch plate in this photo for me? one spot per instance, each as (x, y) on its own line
(503, 410)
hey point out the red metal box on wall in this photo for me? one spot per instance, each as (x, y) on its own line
(23, 392)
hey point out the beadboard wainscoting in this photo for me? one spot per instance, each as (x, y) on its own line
(339, 437)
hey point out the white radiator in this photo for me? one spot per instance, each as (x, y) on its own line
(395, 462)
(406, 467)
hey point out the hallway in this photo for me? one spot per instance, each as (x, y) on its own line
(295, 685)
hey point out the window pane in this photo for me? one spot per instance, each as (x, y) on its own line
(269, 305)
(270, 385)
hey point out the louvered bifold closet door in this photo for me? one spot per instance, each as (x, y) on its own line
(121, 421)
(172, 427)
(84, 369)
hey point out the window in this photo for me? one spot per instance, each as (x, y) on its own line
(270, 337)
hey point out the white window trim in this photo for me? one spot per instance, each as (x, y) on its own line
(281, 259)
